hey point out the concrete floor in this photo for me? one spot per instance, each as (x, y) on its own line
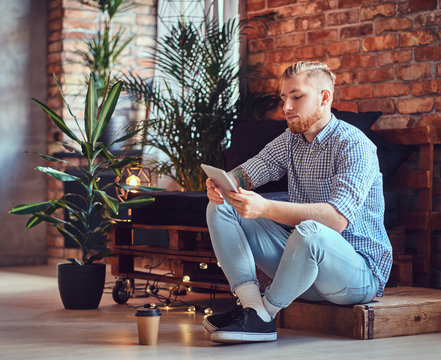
(34, 325)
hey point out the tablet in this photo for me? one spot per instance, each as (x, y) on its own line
(220, 179)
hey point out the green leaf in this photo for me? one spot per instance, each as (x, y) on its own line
(91, 108)
(126, 137)
(59, 175)
(106, 111)
(137, 202)
(138, 188)
(68, 234)
(25, 209)
(58, 121)
(111, 202)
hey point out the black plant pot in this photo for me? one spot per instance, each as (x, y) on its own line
(81, 287)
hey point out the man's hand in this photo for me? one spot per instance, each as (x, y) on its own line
(248, 204)
(213, 194)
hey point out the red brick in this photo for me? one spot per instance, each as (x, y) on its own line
(428, 53)
(439, 69)
(414, 71)
(310, 22)
(391, 89)
(78, 24)
(345, 78)
(276, 57)
(281, 27)
(393, 121)
(311, 52)
(349, 3)
(333, 63)
(343, 17)
(81, 14)
(432, 18)
(375, 75)
(261, 45)
(269, 71)
(55, 14)
(322, 36)
(358, 61)
(256, 31)
(356, 92)
(378, 43)
(384, 105)
(369, 12)
(356, 31)
(54, 25)
(309, 8)
(289, 40)
(394, 57)
(430, 119)
(415, 105)
(422, 37)
(344, 47)
(255, 5)
(418, 5)
(254, 59)
(277, 3)
(438, 103)
(75, 35)
(345, 106)
(391, 24)
(427, 87)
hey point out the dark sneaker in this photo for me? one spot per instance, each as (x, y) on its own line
(214, 322)
(247, 326)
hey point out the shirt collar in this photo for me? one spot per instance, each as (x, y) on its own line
(323, 136)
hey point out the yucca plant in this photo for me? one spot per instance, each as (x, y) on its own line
(87, 224)
(193, 99)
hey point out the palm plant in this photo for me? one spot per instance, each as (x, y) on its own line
(193, 100)
(88, 223)
(103, 49)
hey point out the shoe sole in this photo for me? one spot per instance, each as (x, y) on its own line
(209, 326)
(238, 337)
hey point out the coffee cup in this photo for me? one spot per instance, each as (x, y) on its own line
(148, 325)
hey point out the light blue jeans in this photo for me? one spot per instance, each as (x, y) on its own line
(312, 262)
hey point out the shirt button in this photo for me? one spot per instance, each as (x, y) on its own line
(306, 174)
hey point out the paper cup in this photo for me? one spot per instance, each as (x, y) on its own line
(148, 325)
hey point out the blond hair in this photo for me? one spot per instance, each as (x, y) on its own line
(314, 70)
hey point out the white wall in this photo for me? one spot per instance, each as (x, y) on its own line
(23, 55)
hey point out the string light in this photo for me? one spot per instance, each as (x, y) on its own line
(238, 302)
(218, 264)
(208, 311)
(186, 279)
(191, 309)
(188, 288)
(203, 266)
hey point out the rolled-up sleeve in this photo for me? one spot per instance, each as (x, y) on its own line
(270, 163)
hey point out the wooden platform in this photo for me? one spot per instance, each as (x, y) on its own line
(401, 311)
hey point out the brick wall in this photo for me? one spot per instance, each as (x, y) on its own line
(70, 23)
(386, 54)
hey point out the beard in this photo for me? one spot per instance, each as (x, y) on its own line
(303, 124)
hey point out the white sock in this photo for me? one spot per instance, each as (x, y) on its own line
(249, 296)
(270, 308)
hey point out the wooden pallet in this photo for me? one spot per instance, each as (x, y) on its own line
(401, 311)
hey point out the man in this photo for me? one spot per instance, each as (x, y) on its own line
(337, 251)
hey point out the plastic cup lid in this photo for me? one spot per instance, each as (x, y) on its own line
(148, 312)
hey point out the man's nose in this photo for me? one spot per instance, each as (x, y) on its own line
(287, 106)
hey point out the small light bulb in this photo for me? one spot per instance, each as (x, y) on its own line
(238, 302)
(152, 306)
(203, 266)
(186, 279)
(191, 309)
(218, 264)
(188, 288)
(133, 180)
(208, 311)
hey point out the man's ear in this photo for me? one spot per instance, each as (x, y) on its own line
(326, 96)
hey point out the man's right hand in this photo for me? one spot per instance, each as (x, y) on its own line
(213, 194)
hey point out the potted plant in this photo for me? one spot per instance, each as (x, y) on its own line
(81, 281)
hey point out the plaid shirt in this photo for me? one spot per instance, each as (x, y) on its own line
(339, 167)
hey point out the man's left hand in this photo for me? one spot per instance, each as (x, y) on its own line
(248, 204)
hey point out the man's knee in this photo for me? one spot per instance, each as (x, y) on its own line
(214, 211)
(308, 236)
